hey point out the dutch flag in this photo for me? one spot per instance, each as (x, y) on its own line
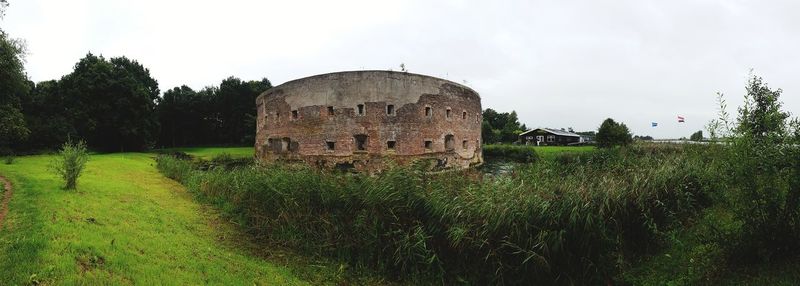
(681, 119)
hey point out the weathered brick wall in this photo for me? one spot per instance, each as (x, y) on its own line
(282, 135)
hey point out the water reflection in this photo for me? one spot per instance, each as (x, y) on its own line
(497, 166)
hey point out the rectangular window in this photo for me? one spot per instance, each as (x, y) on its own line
(428, 111)
(330, 145)
(390, 109)
(361, 142)
(428, 144)
(390, 144)
(551, 138)
(295, 114)
(447, 113)
(360, 109)
(464, 115)
(464, 144)
(330, 110)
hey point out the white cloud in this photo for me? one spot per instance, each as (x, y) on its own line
(557, 63)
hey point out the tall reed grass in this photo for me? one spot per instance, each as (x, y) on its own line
(566, 221)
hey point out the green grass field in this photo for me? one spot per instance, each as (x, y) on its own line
(125, 224)
(210, 152)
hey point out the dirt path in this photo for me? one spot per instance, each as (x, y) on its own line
(6, 198)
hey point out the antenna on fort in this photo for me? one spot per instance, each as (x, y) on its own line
(403, 67)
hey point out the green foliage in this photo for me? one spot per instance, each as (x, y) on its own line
(13, 86)
(9, 159)
(518, 153)
(762, 167)
(70, 162)
(612, 134)
(553, 222)
(111, 103)
(697, 136)
(500, 127)
(223, 115)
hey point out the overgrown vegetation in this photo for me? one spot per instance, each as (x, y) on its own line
(518, 153)
(553, 221)
(762, 172)
(69, 163)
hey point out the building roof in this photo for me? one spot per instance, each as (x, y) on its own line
(552, 131)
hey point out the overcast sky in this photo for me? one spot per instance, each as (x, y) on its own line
(557, 63)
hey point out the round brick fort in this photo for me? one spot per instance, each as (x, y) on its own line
(370, 120)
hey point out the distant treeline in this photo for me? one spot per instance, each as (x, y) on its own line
(114, 105)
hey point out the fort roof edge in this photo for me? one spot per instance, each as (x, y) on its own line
(369, 71)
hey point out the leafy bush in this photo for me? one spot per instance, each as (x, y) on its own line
(69, 163)
(551, 223)
(519, 153)
(762, 167)
(697, 136)
(612, 134)
(9, 159)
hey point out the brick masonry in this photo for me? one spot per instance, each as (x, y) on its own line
(295, 122)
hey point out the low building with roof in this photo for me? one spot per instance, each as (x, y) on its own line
(550, 137)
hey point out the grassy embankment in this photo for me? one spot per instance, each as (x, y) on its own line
(125, 224)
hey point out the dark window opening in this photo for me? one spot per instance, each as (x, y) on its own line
(285, 141)
(464, 144)
(330, 145)
(360, 109)
(361, 142)
(275, 145)
(449, 142)
(447, 113)
(330, 110)
(464, 115)
(428, 111)
(390, 109)
(295, 114)
(428, 144)
(390, 144)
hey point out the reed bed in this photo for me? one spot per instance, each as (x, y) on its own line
(571, 220)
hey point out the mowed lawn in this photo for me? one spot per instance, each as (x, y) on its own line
(125, 224)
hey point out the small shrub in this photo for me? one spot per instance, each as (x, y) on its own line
(9, 159)
(69, 163)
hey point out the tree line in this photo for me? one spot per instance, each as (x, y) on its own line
(114, 105)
